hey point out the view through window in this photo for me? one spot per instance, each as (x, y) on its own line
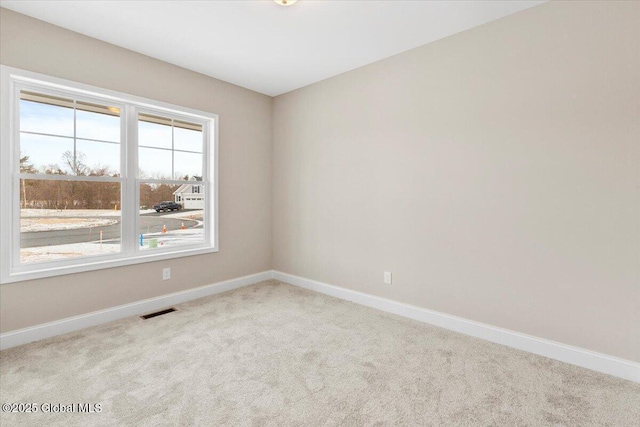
(94, 179)
(171, 212)
(69, 204)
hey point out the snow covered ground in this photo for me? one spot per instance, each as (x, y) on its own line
(39, 213)
(60, 220)
(94, 213)
(194, 215)
(174, 238)
(74, 250)
(56, 224)
(70, 219)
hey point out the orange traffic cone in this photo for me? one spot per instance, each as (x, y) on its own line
(164, 228)
(182, 226)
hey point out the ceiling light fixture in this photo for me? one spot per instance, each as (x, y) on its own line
(285, 2)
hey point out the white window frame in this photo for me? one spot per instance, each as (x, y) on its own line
(12, 81)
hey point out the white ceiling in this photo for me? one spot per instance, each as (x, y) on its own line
(263, 46)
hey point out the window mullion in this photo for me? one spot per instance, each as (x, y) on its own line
(129, 165)
(75, 141)
(173, 148)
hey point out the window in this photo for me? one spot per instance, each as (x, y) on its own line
(99, 179)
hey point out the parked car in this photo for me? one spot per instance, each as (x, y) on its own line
(167, 206)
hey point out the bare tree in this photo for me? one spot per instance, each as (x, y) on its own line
(25, 167)
(70, 194)
(76, 163)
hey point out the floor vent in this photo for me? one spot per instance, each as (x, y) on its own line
(158, 313)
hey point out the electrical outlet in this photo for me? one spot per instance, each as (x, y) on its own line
(387, 277)
(166, 273)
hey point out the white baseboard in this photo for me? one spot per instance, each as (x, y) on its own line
(565, 353)
(70, 324)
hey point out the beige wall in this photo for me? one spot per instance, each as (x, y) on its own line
(245, 171)
(496, 173)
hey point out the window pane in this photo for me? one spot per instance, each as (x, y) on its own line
(187, 139)
(154, 163)
(97, 122)
(180, 220)
(187, 165)
(45, 117)
(68, 219)
(98, 158)
(39, 153)
(154, 132)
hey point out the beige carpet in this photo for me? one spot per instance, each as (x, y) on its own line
(274, 354)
